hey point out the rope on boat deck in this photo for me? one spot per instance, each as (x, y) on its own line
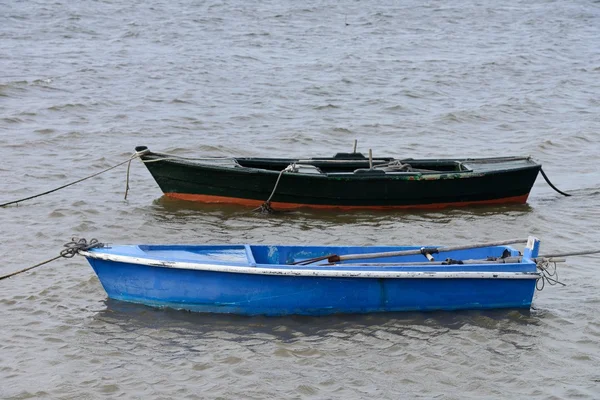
(265, 208)
(135, 155)
(71, 248)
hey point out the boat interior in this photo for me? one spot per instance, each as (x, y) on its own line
(295, 256)
(356, 164)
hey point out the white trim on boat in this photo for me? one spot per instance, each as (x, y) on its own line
(310, 272)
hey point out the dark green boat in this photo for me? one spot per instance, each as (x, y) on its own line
(345, 181)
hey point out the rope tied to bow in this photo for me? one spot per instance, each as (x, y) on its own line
(549, 273)
(76, 245)
(71, 248)
(135, 155)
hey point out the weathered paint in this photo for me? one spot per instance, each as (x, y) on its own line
(251, 280)
(290, 206)
(341, 271)
(485, 181)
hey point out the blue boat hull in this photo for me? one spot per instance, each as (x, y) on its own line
(252, 294)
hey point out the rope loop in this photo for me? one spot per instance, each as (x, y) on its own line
(76, 245)
(549, 274)
(73, 247)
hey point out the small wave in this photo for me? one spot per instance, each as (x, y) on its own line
(583, 139)
(67, 106)
(589, 192)
(13, 84)
(341, 130)
(328, 106)
(6, 89)
(239, 57)
(462, 116)
(12, 120)
(411, 94)
(549, 144)
(46, 81)
(130, 34)
(179, 101)
(395, 108)
(255, 34)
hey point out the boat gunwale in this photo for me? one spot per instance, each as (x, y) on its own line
(385, 175)
(498, 159)
(261, 269)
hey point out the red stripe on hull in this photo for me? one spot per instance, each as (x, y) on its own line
(202, 198)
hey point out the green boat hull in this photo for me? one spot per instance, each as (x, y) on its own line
(346, 181)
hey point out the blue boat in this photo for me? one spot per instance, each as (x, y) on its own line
(318, 280)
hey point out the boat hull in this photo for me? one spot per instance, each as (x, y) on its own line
(205, 291)
(209, 199)
(278, 289)
(488, 183)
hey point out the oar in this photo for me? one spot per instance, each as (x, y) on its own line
(423, 250)
(449, 261)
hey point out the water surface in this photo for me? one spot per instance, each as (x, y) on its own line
(83, 83)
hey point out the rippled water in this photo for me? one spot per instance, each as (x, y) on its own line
(82, 83)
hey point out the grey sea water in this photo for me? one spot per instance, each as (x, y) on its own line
(82, 83)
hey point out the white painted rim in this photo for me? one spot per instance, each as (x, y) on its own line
(310, 272)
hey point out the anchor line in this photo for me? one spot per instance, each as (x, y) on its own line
(547, 265)
(134, 156)
(71, 249)
(551, 185)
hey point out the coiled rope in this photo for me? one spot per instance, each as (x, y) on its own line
(71, 248)
(137, 154)
(547, 266)
(549, 273)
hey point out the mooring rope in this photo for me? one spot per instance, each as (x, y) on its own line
(134, 156)
(71, 248)
(549, 273)
(547, 265)
(266, 206)
(551, 185)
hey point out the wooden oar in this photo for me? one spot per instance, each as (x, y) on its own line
(508, 260)
(423, 250)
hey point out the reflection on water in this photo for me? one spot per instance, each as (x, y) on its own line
(136, 316)
(181, 208)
